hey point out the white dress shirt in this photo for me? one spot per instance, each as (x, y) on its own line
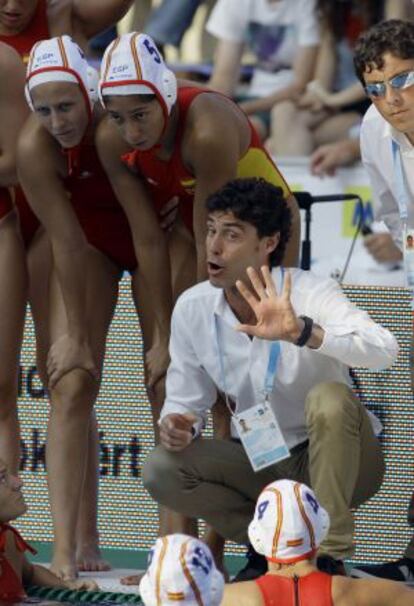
(194, 376)
(376, 152)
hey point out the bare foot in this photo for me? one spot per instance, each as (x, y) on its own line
(64, 568)
(133, 579)
(89, 559)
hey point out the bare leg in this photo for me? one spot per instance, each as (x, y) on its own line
(335, 128)
(39, 263)
(291, 132)
(170, 521)
(88, 555)
(216, 544)
(13, 294)
(182, 258)
(183, 274)
(72, 403)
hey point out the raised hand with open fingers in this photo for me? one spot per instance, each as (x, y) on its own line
(276, 318)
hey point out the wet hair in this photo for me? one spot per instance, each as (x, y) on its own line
(394, 36)
(259, 203)
(333, 14)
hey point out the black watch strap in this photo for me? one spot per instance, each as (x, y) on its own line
(306, 332)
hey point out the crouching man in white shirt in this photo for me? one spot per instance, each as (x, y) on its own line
(299, 383)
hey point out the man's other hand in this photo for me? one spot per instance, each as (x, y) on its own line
(176, 431)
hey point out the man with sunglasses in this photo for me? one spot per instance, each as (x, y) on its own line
(384, 63)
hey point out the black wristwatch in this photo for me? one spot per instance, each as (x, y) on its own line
(306, 332)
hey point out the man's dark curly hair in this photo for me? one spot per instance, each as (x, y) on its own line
(394, 36)
(259, 203)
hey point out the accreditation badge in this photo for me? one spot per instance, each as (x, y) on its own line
(261, 436)
(408, 249)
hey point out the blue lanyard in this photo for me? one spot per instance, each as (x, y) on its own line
(274, 353)
(403, 198)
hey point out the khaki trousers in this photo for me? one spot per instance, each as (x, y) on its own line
(213, 479)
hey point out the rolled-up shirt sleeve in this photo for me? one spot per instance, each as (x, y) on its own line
(351, 336)
(189, 389)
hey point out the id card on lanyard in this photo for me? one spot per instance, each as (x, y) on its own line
(258, 428)
(403, 200)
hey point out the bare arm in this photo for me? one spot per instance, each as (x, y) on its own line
(46, 195)
(364, 592)
(226, 70)
(149, 241)
(95, 16)
(13, 111)
(246, 593)
(326, 60)
(303, 69)
(351, 94)
(214, 151)
(398, 10)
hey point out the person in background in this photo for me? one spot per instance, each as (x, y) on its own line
(334, 102)
(384, 63)
(284, 36)
(25, 22)
(168, 22)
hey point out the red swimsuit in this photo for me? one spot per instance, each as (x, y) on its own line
(314, 589)
(6, 203)
(11, 587)
(166, 179)
(99, 213)
(37, 29)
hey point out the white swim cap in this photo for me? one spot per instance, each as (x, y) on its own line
(61, 60)
(289, 524)
(181, 570)
(132, 65)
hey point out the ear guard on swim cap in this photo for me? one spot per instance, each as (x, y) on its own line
(61, 60)
(289, 523)
(181, 569)
(132, 65)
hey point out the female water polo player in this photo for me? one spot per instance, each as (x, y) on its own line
(187, 142)
(91, 243)
(13, 271)
(25, 22)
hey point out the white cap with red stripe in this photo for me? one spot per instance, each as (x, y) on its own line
(181, 570)
(289, 523)
(60, 59)
(132, 65)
